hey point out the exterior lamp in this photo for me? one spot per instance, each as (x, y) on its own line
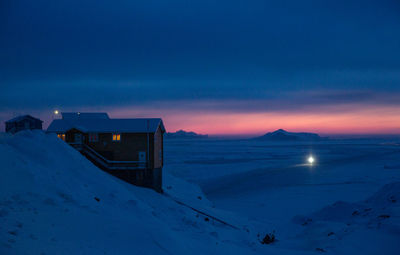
(310, 160)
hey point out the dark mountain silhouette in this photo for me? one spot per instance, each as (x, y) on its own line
(283, 135)
(184, 134)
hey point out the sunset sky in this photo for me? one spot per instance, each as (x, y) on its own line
(215, 67)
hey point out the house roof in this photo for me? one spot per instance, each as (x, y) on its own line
(101, 125)
(22, 117)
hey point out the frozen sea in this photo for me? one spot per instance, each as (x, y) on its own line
(272, 183)
(221, 197)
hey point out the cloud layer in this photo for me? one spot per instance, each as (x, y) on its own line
(193, 60)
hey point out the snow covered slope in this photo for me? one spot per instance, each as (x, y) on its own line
(54, 201)
(270, 182)
(368, 227)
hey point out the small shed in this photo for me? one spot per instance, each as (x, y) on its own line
(24, 122)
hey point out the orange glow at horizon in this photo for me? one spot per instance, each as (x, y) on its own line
(375, 120)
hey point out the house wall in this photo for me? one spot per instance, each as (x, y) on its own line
(127, 149)
(70, 136)
(158, 149)
(149, 140)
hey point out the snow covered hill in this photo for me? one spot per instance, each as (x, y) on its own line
(272, 183)
(373, 224)
(54, 201)
(283, 135)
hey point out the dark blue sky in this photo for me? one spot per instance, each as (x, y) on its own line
(198, 56)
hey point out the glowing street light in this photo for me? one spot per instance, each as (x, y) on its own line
(56, 112)
(311, 160)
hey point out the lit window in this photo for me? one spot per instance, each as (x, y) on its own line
(93, 137)
(61, 136)
(116, 137)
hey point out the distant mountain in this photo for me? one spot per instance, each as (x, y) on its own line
(184, 134)
(283, 135)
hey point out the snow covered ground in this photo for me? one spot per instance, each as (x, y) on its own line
(270, 182)
(54, 201)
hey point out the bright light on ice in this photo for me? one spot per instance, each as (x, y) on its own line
(310, 159)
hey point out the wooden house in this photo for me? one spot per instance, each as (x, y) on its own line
(24, 122)
(131, 149)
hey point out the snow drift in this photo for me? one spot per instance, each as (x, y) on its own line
(54, 201)
(368, 227)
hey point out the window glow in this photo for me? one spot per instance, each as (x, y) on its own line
(61, 136)
(116, 137)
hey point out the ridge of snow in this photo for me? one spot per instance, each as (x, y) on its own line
(54, 201)
(373, 220)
